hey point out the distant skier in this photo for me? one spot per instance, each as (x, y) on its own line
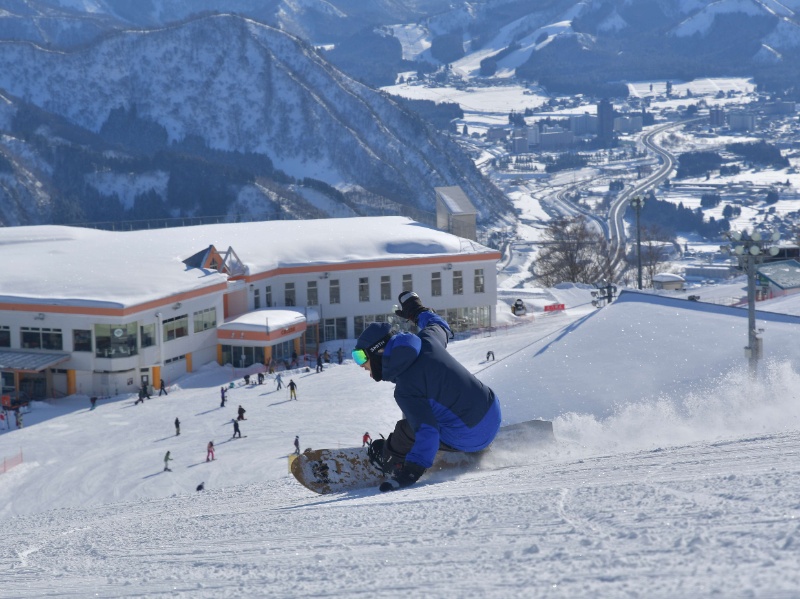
(93, 400)
(292, 390)
(145, 392)
(241, 412)
(279, 380)
(260, 377)
(167, 460)
(223, 392)
(162, 388)
(177, 426)
(489, 354)
(297, 445)
(210, 452)
(201, 486)
(340, 355)
(236, 430)
(319, 362)
(366, 440)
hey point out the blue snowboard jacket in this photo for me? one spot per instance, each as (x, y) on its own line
(440, 398)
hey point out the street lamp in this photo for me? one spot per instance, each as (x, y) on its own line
(637, 202)
(751, 248)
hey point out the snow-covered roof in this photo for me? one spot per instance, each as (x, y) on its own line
(77, 266)
(668, 277)
(785, 274)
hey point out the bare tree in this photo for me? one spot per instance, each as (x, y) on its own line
(655, 252)
(573, 252)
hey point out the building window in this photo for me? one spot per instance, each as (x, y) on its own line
(256, 299)
(436, 284)
(363, 289)
(81, 340)
(362, 322)
(5, 336)
(115, 340)
(458, 282)
(175, 328)
(312, 297)
(41, 338)
(205, 319)
(289, 298)
(147, 335)
(386, 288)
(335, 296)
(408, 284)
(268, 296)
(479, 280)
(334, 328)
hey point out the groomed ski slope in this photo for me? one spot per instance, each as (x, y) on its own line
(689, 490)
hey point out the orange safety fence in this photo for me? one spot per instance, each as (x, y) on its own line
(9, 463)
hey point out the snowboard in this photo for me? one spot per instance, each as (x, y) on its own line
(337, 470)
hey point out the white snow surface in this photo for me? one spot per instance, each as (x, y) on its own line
(674, 474)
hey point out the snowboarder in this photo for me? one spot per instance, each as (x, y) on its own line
(141, 397)
(210, 451)
(292, 390)
(145, 392)
(162, 388)
(167, 460)
(177, 426)
(489, 354)
(366, 440)
(236, 431)
(297, 445)
(429, 383)
(222, 394)
(240, 413)
(201, 486)
(279, 380)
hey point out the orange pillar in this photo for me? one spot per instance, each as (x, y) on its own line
(72, 386)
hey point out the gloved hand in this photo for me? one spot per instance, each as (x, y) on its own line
(411, 306)
(407, 476)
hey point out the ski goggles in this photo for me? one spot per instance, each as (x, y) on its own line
(360, 356)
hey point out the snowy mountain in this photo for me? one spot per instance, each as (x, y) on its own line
(220, 87)
(674, 474)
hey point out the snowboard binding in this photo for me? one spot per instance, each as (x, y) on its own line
(380, 456)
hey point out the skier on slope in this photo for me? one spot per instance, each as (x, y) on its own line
(444, 405)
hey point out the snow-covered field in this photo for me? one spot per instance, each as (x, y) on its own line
(674, 475)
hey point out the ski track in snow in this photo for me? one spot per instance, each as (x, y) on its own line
(697, 520)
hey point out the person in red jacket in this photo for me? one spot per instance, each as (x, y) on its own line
(366, 440)
(210, 453)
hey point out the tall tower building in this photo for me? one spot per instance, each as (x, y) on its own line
(605, 122)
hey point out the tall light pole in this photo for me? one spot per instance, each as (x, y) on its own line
(637, 202)
(751, 248)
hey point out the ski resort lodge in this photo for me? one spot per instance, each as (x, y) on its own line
(100, 313)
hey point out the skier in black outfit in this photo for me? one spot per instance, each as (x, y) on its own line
(177, 426)
(222, 393)
(236, 431)
(444, 405)
(162, 389)
(241, 412)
